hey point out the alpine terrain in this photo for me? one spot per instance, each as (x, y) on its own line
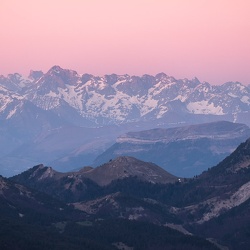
(61, 115)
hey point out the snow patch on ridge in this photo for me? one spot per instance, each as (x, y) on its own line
(245, 99)
(11, 113)
(204, 107)
(71, 97)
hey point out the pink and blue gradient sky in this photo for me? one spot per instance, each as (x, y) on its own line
(209, 39)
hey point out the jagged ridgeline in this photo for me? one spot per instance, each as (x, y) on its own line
(115, 99)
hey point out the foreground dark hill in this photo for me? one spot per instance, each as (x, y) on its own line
(87, 181)
(214, 204)
(125, 166)
(183, 151)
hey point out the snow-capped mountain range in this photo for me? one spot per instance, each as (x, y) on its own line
(116, 99)
(61, 116)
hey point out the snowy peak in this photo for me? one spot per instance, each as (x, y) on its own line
(9, 102)
(15, 82)
(57, 77)
(67, 76)
(116, 99)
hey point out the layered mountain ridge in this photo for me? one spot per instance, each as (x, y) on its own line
(183, 151)
(213, 205)
(62, 118)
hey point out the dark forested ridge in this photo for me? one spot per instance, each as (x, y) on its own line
(71, 211)
(33, 220)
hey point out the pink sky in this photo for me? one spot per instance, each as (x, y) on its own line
(209, 39)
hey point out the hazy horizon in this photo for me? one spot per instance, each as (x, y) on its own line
(95, 75)
(184, 39)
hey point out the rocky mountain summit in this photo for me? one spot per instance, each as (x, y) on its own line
(76, 185)
(124, 166)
